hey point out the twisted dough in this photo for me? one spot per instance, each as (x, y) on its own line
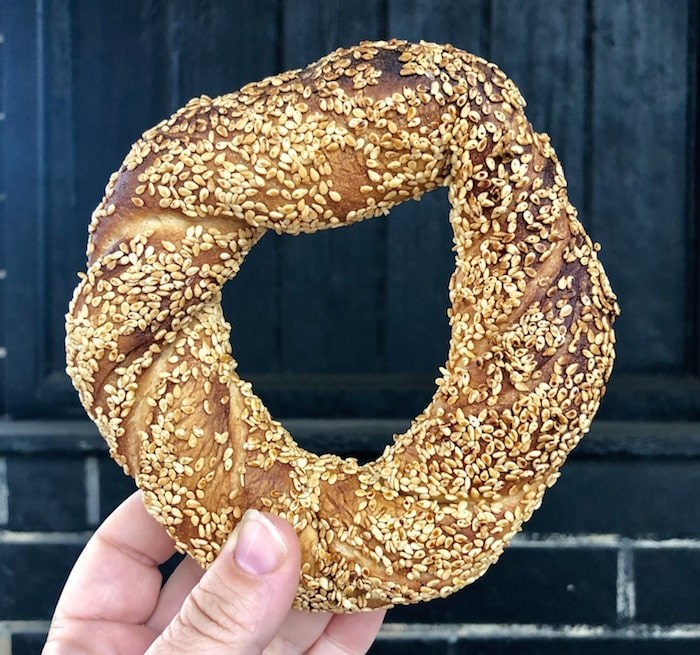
(342, 140)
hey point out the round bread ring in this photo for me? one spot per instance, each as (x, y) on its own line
(345, 139)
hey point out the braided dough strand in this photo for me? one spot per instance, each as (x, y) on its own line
(346, 139)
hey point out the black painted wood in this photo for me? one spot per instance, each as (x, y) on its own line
(31, 586)
(63, 252)
(419, 259)
(352, 322)
(215, 48)
(640, 58)
(464, 23)
(330, 293)
(3, 196)
(541, 45)
(693, 195)
(24, 207)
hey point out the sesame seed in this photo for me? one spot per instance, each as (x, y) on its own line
(531, 316)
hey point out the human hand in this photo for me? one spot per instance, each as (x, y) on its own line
(113, 601)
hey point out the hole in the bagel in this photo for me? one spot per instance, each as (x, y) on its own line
(342, 332)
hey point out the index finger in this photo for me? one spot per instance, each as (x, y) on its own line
(116, 578)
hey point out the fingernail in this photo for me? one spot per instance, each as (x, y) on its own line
(259, 548)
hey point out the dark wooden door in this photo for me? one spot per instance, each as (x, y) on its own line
(352, 322)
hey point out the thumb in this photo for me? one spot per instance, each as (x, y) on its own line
(243, 598)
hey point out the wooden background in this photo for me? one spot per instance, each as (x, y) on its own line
(352, 322)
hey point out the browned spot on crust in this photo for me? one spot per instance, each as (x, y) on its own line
(354, 134)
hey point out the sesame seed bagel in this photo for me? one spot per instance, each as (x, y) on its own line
(345, 139)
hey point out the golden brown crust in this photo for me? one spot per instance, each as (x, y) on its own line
(346, 139)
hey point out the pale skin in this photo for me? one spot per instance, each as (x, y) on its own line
(114, 601)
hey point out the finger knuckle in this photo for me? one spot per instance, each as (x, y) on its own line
(217, 616)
